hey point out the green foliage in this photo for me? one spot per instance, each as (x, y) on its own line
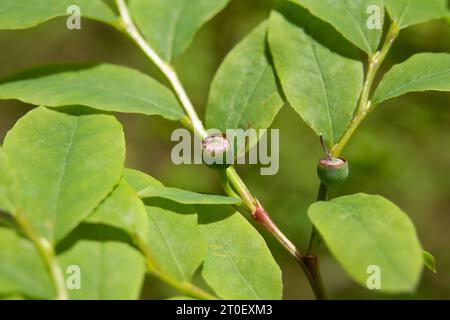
(421, 72)
(409, 12)
(104, 86)
(21, 267)
(122, 209)
(67, 202)
(312, 75)
(429, 261)
(22, 14)
(367, 230)
(244, 93)
(350, 18)
(109, 267)
(238, 264)
(70, 163)
(169, 26)
(174, 238)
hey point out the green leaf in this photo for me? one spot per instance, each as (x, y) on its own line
(239, 264)
(6, 182)
(368, 230)
(350, 18)
(65, 165)
(174, 238)
(244, 93)
(22, 14)
(169, 26)
(124, 210)
(185, 197)
(109, 267)
(421, 72)
(312, 75)
(409, 12)
(103, 86)
(429, 261)
(22, 270)
(139, 180)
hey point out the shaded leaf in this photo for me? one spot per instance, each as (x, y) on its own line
(421, 72)
(22, 270)
(409, 12)
(238, 264)
(244, 93)
(367, 230)
(174, 238)
(103, 86)
(139, 180)
(22, 14)
(124, 210)
(350, 18)
(185, 197)
(312, 75)
(65, 165)
(109, 268)
(169, 26)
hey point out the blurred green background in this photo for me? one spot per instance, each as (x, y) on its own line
(401, 152)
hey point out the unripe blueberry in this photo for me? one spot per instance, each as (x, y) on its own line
(217, 152)
(332, 171)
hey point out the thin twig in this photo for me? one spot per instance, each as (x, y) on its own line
(164, 67)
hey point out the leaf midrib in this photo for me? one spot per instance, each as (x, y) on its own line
(62, 176)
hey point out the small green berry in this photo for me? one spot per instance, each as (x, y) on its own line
(217, 152)
(332, 171)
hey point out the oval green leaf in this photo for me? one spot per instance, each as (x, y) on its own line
(184, 196)
(421, 72)
(124, 210)
(352, 19)
(312, 76)
(366, 233)
(22, 270)
(108, 267)
(173, 240)
(429, 261)
(238, 265)
(169, 26)
(244, 93)
(64, 166)
(22, 14)
(409, 12)
(103, 86)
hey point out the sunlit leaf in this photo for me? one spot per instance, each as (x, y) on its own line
(421, 72)
(239, 264)
(102, 86)
(169, 26)
(368, 233)
(64, 165)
